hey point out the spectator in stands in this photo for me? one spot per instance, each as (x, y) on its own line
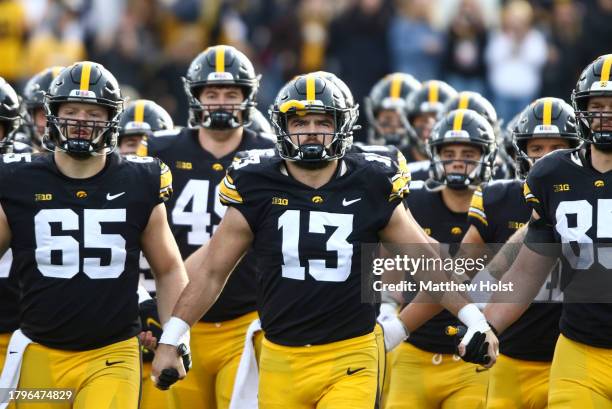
(12, 34)
(563, 64)
(515, 56)
(59, 40)
(596, 30)
(463, 57)
(357, 47)
(416, 47)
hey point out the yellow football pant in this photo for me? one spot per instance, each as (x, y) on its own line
(103, 378)
(518, 384)
(216, 349)
(4, 340)
(423, 380)
(580, 376)
(152, 398)
(338, 375)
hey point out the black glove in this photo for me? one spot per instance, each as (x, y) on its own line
(149, 320)
(476, 350)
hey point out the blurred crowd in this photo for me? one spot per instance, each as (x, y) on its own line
(510, 51)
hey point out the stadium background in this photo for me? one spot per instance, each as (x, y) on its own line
(510, 51)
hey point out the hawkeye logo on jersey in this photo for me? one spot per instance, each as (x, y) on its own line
(563, 187)
(317, 199)
(217, 166)
(280, 201)
(184, 165)
(81, 194)
(43, 197)
(456, 230)
(599, 183)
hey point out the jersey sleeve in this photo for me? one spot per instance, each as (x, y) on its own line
(165, 182)
(534, 191)
(234, 191)
(477, 215)
(393, 181)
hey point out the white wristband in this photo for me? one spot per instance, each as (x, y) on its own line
(471, 316)
(176, 331)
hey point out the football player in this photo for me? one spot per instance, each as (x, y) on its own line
(423, 107)
(9, 120)
(141, 119)
(569, 191)
(306, 212)
(76, 225)
(33, 104)
(221, 86)
(497, 211)
(385, 110)
(462, 147)
(9, 306)
(463, 100)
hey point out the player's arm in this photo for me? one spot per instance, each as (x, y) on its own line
(162, 253)
(402, 229)
(527, 274)
(211, 269)
(5, 233)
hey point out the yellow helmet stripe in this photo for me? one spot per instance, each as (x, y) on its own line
(464, 101)
(139, 111)
(396, 86)
(547, 114)
(433, 96)
(458, 121)
(605, 70)
(310, 88)
(85, 74)
(220, 59)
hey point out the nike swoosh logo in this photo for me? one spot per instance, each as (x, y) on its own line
(113, 197)
(151, 321)
(349, 372)
(109, 363)
(350, 202)
(12, 352)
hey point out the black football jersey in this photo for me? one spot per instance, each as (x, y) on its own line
(308, 242)
(194, 211)
(498, 209)
(575, 200)
(447, 227)
(76, 244)
(9, 296)
(419, 170)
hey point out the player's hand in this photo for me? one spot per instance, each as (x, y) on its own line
(148, 340)
(151, 328)
(476, 347)
(394, 330)
(169, 365)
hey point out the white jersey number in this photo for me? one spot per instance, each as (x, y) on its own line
(68, 246)
(289, 222)
(582, 217)
(196, 192)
